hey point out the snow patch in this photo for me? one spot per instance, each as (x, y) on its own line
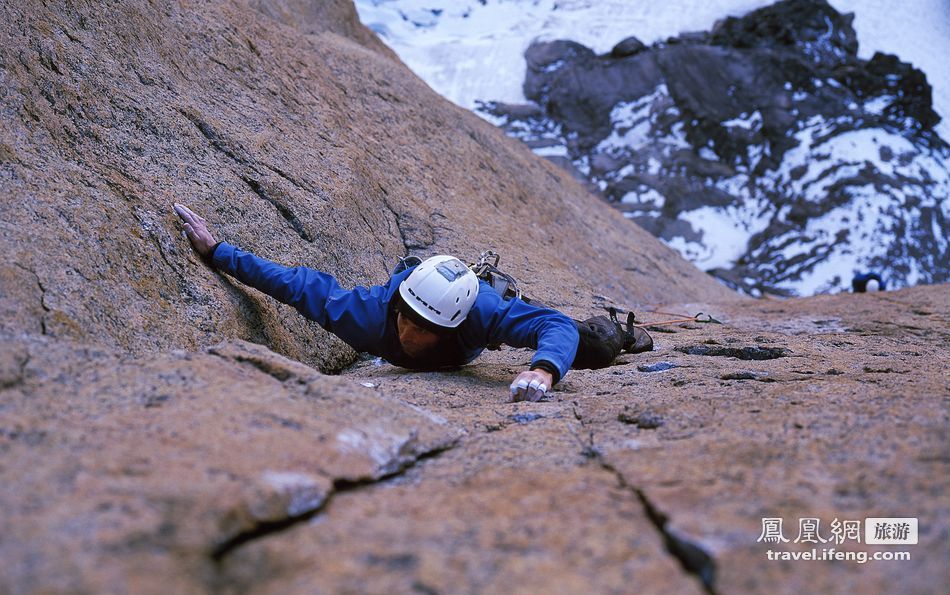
(751, 121)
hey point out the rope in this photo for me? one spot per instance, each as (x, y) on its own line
(682, 318)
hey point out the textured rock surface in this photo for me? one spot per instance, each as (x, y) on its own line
(764, 150)
(129, 475)
(335, 16)
(294, 142)
(236, 469)
(138, 453)
(569, 495)
(121, 475)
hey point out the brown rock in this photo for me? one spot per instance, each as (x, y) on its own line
(335, 16)
(517, 530)
(298, 137)
(133, 475)
(140, 453)
(811, 435)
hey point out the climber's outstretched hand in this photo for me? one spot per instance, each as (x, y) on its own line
(530, 386)
(196, 228)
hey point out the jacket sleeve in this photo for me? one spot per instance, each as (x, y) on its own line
(357, 316)
(513, 322)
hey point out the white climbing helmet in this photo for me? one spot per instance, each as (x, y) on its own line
(441, 289)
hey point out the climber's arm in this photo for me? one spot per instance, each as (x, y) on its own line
(357, 316)
(518, 324)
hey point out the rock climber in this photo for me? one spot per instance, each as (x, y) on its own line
(432, 315)
(867, 283)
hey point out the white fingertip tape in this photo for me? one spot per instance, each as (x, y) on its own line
(534, 384)
(519, 385)
(542, 388)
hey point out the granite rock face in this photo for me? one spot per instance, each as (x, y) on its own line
(236, 469)
(294, 141)
(333, 16)
(163, 429)
(135, 475)
(660, 477)
(764, 150)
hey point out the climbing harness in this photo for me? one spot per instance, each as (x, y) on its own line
(486, 268)
(405, 263)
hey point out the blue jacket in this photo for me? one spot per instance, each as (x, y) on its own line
(364, 317)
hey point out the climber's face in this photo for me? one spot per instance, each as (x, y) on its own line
(415, 340)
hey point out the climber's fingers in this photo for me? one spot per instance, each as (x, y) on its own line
(528, 386)
(188, 215)
(518, 389)
(191, 232)
(196, 230)
(536, 389)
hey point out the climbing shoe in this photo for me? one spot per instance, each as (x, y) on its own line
(635, 339)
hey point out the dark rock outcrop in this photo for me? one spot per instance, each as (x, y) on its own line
(768, 129)
(627, 47)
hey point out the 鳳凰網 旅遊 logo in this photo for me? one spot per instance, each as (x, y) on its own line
(890, 531)
(850, 533)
